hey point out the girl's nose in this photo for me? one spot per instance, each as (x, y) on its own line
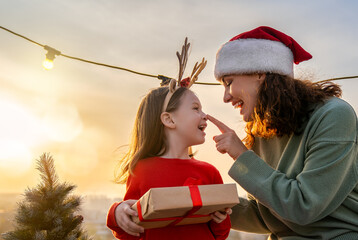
(205, 116)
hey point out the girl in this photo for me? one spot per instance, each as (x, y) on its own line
(169, 121)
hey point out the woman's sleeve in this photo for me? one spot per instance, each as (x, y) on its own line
(220, 230)
(245, 217)
(133, 192)
(329, 174)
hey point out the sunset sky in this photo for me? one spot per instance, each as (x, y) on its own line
(83, 113)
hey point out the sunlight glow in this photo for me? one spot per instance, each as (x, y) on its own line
(19, 130)
(18, 124)
(78, 158)
(15, 158)
(62, 123)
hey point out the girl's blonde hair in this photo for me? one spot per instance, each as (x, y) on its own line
(148, 138)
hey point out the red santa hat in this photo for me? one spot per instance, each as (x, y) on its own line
(260, 50)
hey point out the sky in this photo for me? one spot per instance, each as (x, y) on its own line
(83, 114)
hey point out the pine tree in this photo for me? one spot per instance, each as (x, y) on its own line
(48, 211)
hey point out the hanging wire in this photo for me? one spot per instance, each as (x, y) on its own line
(164, 79)
(109, 66)
(335, 79)
(19, 35)
(160, 77)
(205, 83)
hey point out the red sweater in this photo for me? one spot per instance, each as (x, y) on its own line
(167, 172)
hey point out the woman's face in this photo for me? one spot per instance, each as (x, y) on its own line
(241, 91)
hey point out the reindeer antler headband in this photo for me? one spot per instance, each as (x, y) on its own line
(186, 82)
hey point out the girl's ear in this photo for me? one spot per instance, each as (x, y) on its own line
(167, 120)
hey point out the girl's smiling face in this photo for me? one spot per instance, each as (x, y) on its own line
(241, 91)
(190, 120)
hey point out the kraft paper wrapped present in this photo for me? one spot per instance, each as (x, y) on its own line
(170, 206)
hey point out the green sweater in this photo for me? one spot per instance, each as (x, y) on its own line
(303, 186)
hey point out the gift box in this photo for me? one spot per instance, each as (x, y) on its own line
(170, 206)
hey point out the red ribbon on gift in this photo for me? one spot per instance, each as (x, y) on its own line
(197, 204)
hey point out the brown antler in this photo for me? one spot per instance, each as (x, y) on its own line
(196, 71)
(183, 58)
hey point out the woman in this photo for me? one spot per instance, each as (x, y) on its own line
(298, 162)
(301, 169)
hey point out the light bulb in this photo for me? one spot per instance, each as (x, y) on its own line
(47, 64)
(50, 56)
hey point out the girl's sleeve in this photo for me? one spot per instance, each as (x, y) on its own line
(329, 174)
(133, 192)
(220, 230)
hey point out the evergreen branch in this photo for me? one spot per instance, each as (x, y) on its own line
(47, 170)
(33, 195)
(40, 235)
(61, 191)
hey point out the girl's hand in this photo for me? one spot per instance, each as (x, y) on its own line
(227, 142)
(123, 219)
(218, 216)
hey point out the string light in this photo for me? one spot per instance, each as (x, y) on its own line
(50, 56)
(52, 53)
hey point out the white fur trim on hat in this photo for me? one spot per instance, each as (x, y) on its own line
(245, 56)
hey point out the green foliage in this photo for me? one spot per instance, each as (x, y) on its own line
(48, 211)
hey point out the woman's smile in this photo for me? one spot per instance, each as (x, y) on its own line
(241, 91)
(238, 104)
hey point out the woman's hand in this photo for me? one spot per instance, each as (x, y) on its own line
(227, 142)
(123, 215)
(219, 216)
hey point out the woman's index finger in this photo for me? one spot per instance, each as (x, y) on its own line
(222, 127)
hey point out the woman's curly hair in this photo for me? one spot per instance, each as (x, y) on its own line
(284, 104)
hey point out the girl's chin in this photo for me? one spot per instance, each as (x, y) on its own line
(199, 142)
